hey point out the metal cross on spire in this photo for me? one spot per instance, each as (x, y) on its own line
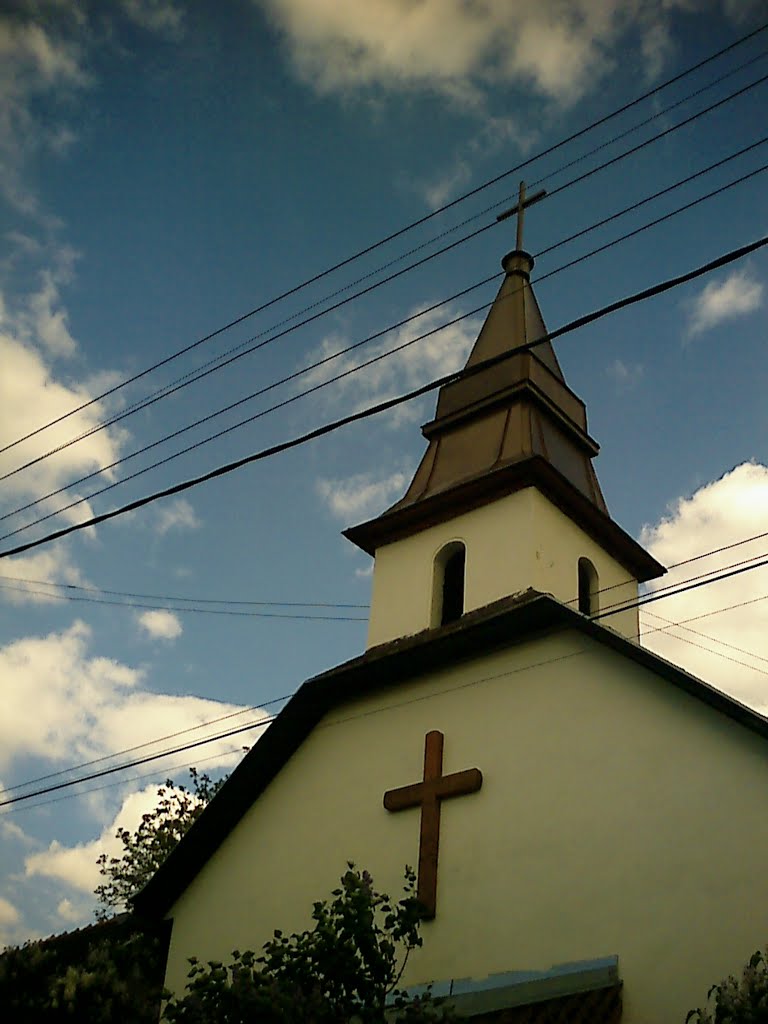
(519, 209)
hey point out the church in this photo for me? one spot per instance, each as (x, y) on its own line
(588, 820)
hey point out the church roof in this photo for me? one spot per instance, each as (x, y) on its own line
(500, 625)
(512, 424)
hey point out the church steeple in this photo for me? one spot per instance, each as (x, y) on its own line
(508, 448)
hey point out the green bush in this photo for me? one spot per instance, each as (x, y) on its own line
(346, 968)
(738, 1000)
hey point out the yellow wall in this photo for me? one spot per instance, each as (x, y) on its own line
(617, 816)
(517, 542)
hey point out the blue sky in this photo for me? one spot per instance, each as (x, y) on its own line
(167, 167)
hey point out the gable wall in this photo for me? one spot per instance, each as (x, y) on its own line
(516, 542)
(618, 815)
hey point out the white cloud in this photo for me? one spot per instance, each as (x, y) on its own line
(64, 705)
(32, 572)
(8, 913)
(48, 319)
(421, 361)
(31, 395)
(176, 515)
(76, 865)
(10, 920)
(34, 62)
(159, 16)
(496, 134)
(448, 183)
(559, 48)
(70, 913)
(729, 649)
(10, 830)
(735, 295)
(161, 624)
(361, 496)
(625, 375)
(44, 52)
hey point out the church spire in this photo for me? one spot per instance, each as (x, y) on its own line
(514, 427)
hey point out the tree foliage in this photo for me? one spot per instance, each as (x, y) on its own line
(741, 1000)
(107, 973)
(112, 971)
(145, 849)
(346, 968)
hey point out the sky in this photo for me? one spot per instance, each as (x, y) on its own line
(168, 167)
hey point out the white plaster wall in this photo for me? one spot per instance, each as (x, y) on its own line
(519, 541)
(617, 816)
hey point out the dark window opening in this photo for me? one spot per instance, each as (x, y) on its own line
(587, 587)
(452, 605)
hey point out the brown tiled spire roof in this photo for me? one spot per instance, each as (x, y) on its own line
(512, 425)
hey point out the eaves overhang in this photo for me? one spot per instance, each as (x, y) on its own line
(501, 625)
(535, 471)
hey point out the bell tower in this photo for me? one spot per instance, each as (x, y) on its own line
(505, 498)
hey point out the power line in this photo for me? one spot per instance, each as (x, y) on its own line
(669, 623)
(725, 573)
(139, 761)
(176, 597)
(150, 743)
(686, 561)
(5, 580)
(401, 231)
(666, 630)
(670, 586)
(373, 410)
(268, 719)
(159, 775)
(717, 611)
(336, 355)
(188, 610)
(221, 361)
(680, 623)
(681, 589)
(460, 224)
(197, 376)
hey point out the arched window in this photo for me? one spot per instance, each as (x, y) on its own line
(588, 587)
(448, 585)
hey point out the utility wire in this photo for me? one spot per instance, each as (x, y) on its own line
(159, 775)
(679, 623)
(667, 631)
(4, 580)
(662, 593)
(336, 355)
(609, 609)
(184, 610)
(331, 380)
(177, 767)
(219, 361)
(166, 392)
(682, 624)
(151, 743)
(284, 697)
(268, 719)
(401, 231)
(460, 224)
(138, 761)
(380, 407)
(175, 597)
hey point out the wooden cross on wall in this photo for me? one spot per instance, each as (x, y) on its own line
(428, 795)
